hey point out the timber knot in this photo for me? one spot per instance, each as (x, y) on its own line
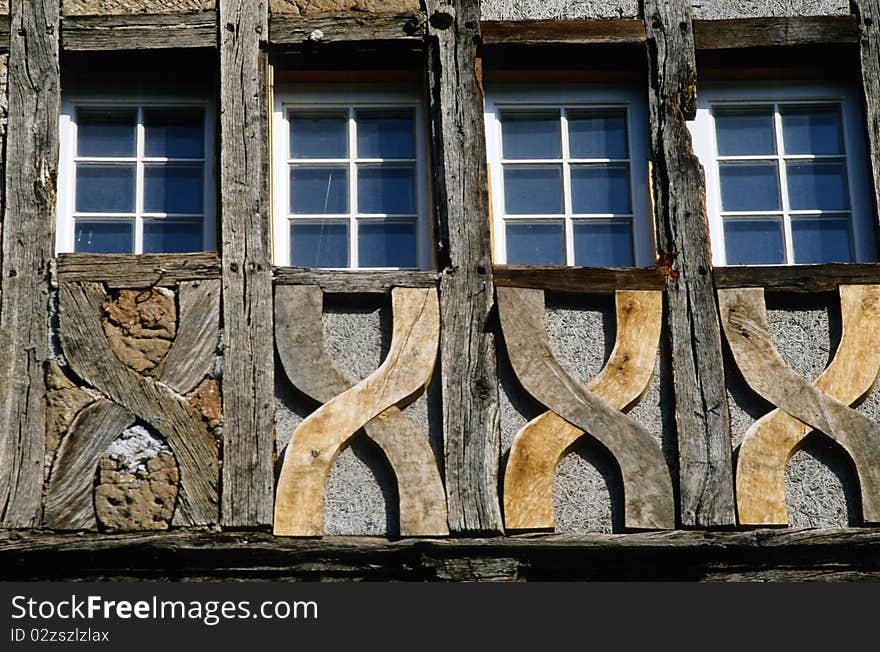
(443, 17)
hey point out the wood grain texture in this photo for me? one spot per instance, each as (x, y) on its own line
(315, 444)
(647, 485)
(345, 27)
(580, 32)
(139, 31)
(541, 443)
(344, 281)
(583, 280)
(771, 441)
(28, 247)
(69, 502)
(701, 413)
(299, 338)
(461, 208)
(137, 270)
(249, 360)
(90, 357)
(800, 279)
(737, 33)
(867, 15)
(743, 315)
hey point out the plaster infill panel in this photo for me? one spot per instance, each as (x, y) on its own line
(127, 7)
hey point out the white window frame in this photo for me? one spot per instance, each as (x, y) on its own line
(311, 96)
(733, 94)
(65, 233)
(499, 97)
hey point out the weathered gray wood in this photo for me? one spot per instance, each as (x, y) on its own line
(137, 271)
(798, 278)
(193, 352)
(355, 281)
(139, 31)
(774, 31)
(867, 13)
(701, 414)
(577, 279)
(345, 27)
(69, 502)
(579, 32)
(299, 338)
(461, 206)
(90, 357)
(28, 247)
(249, 362)
(647, 483)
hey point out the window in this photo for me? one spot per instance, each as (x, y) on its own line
(350, 179)
(786, 180)
(135, 177)
(569, 176)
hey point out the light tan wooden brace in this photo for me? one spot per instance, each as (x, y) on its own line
(773, 439)
(314, 446)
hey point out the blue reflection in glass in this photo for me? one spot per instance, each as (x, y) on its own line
(812, 130)
(386, 244)
(535, 243)
(107, 132)
(821, 240)
(530, 134)
(318, 191)
(816, 185)
(387, 189)
(753, 242)
(749, 186)
(104, 188)
(597, 134)
(745, 132)
(174, 132)
(173, 189)
(600, 189)
(319, 135)
(532, 190)
(167, 237)
(385, 133)
(603, 244)
(103, 237)
(319, 243)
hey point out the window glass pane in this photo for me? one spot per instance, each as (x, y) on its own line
(173, 189)
(385, 133)
(105, 131)
(821, 240)
(603, 244)
(104, 188)
(317, 191)
(745, 132)
(167, 237)
(530, 134)
(812, 130)
(814, 185)
(749, 186)
(600, 189)
(104, 237)
(387, 190)
(533, 190)
(754, 242)
(319, 243)
(319, 135)
(597, 134)
(386, 244)
(174, 132)
(535, 243)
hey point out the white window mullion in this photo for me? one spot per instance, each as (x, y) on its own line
(139, 185)
(783, 185)
(566, 190)
(353, 261)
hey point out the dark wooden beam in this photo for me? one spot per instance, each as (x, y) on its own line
(584, 280)
(701, 413)
(775, 32)
(137, 271)
(798, 278)
(28, 247)
(4, 33)
(758, 555)
(573, 32)
(354, 281)
(139, 31)
(461, 206)
(867, 14)
(249, 360)
(346, 27)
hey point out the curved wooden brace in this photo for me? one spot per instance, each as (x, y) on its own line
(647, 484)
(91, 358)
(744, 320)
(314, 446)
(69, 504)
(541, 444)
(299, 337)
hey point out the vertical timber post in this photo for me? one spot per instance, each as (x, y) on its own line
(461, 204)
(701, 412)
(868, 14)
(34, 88)
(248, 369)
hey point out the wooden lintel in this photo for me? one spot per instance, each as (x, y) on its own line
(137, 271)
(798, 278)
(139, 31)
(345, 27)
(354, 281)
(774, 32)
(585, 280)
(576, 32)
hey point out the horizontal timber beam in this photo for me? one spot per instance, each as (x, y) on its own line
(139, 31)
(766, 554)
(584, 32)
(354, 281)
(798, 278)
(578, 279)
(771, 32)
(137, 271)
(345, 27)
